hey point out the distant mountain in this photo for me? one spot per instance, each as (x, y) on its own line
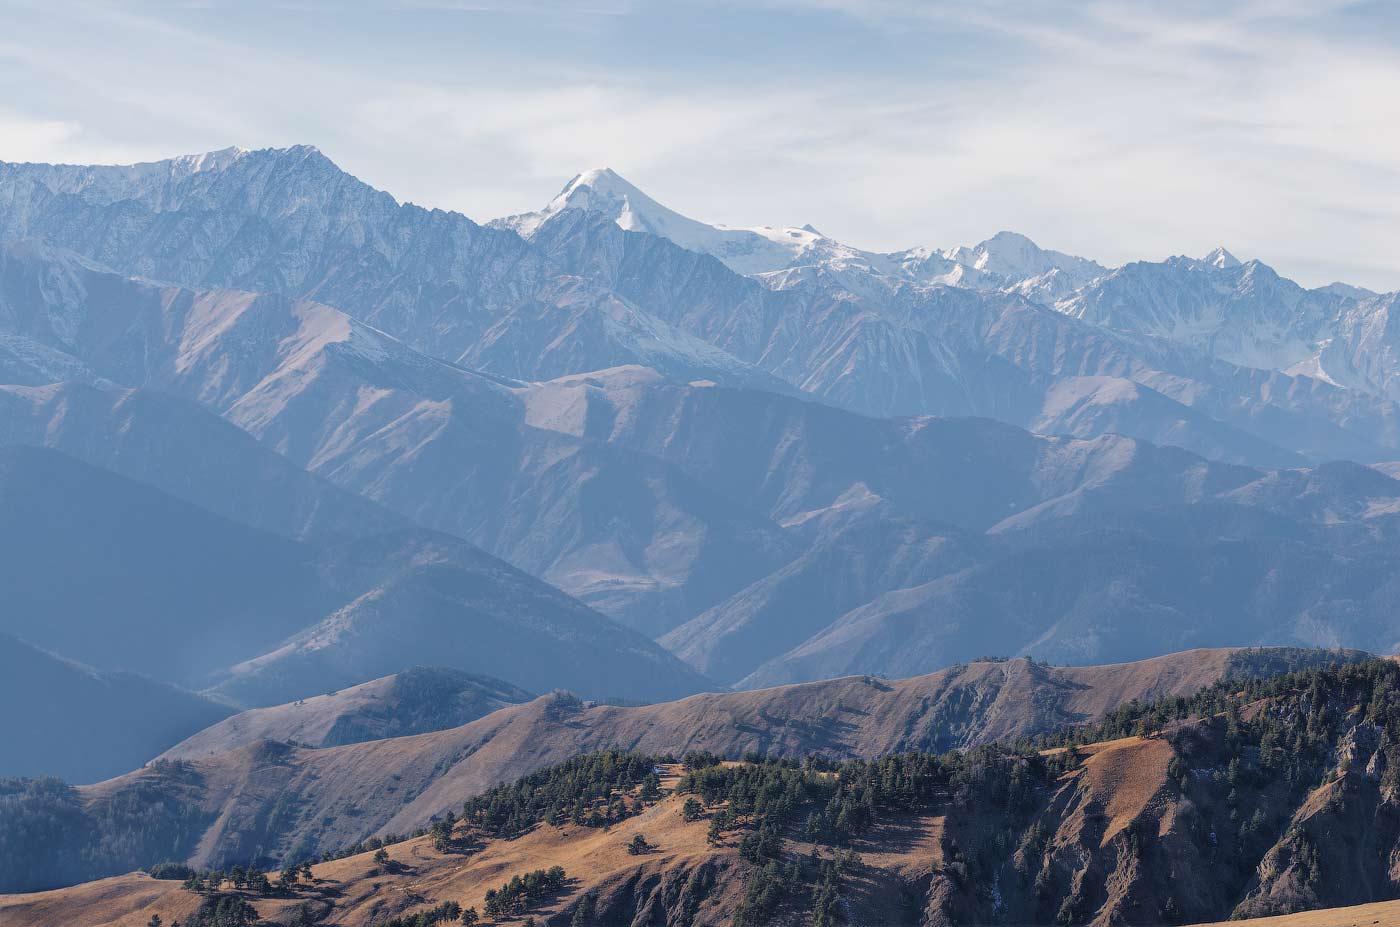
(423, 596)
(1033, 545)
(882, 346)
(746, 525)
(123, 576)
(605, 279)
(747, 251)
(290, 223)
(187, 451)
(1126, 585)
(84, 725)
(414, 701)
(1006, 258)
(758, 530)
(444, 446)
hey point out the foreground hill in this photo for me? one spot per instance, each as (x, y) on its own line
(1251, 798)
(84, 725)
(363, 893)
(271, 800)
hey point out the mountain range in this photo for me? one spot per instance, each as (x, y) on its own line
(758, 468)
(323, 513)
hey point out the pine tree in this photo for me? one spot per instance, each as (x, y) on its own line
(585, 912)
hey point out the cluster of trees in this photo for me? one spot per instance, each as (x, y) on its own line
(445, 913)
(441, 831)
(1356, 679)
(523, 892)
(247, 878)
(49, 837)
(836, 802)
(176, 872)
(223, 911)
(814, 882)
(587, 790)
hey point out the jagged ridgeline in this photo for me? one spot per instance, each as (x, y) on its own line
(1258, 795)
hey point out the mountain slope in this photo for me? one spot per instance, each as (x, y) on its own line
(1128, 585)
(190, 453)
(1251, 797)
(111, 572)
(415, 701)
(440, 444)
(925, 542)
(423, 596)
(954, 333)
(265, 797)
(116, 573)
(84, 725)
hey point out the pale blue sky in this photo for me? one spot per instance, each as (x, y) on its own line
(1117, 130)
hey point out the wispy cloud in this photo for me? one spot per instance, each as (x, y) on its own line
(1117, 129)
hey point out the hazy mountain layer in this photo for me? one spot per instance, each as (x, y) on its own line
(772, 539)
(85, 725)
(415, 701)
(769, 538)
(103, 569)
(440, 444)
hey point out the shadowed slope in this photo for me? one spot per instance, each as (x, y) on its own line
(84, 725)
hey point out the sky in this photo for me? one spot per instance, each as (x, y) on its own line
(1116, 130)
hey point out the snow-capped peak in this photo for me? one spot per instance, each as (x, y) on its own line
(776, 254)
(756, 250)
(1012, 257)
(599, 190)
(1221, 259)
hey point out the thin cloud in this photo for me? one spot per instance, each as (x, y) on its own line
(1117, 130)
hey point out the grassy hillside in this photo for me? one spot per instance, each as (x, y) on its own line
(1253, 797)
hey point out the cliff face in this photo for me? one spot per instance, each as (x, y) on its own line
(1205, 820)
